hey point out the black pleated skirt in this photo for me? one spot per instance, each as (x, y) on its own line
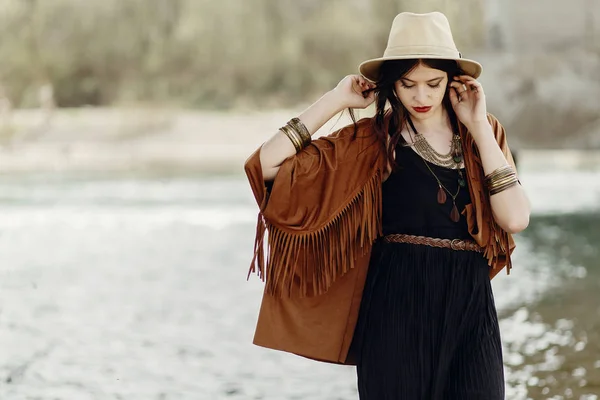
(428, 327)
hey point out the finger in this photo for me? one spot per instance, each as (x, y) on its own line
(454, 98)
(460, 87)
(369, 86)
(470, 80)
(368, 100)
(371, 93)
(465, 77)
(475, 87)
(469, 86)
(463, 92)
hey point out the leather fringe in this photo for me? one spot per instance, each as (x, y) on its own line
(310, 262)
(496, 250)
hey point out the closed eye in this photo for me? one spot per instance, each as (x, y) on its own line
(412, 86)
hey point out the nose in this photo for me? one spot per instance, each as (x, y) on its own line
(421, 94)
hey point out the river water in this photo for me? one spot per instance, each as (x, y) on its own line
(134, 287)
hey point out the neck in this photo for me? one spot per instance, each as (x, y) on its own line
(435, 124)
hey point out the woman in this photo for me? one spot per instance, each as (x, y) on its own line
(383, 236)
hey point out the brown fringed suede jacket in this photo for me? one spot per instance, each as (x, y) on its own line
(322, 214)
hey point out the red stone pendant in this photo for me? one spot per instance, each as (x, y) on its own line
(454, 215)
(441, 196)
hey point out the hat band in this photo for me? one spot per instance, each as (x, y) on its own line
(435, 51)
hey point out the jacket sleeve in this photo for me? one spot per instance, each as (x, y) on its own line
(498, 243)
(321, 210)
(500, 134)
(505, 239)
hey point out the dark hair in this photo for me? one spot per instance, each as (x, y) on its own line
(390, 73)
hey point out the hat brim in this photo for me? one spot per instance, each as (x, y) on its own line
(370, 68)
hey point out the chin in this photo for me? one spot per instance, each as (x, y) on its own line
(420, 116)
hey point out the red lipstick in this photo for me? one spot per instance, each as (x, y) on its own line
(422, 109)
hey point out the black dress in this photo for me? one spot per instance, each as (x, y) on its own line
(427, 327)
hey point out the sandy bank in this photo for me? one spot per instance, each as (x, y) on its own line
(115, 140)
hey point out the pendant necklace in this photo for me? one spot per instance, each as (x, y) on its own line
(451, 160)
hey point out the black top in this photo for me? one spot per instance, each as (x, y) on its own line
(410, 199)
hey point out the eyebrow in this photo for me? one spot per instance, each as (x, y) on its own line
(429, 81)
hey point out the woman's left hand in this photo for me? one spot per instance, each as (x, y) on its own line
(468, 100)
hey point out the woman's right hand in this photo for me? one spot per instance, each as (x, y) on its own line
(351, 91)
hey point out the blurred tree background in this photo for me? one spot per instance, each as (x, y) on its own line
(263, 53)
(200, 53)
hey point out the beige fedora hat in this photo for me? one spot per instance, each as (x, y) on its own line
(420, 36)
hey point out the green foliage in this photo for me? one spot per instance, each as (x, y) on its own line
(186, 52)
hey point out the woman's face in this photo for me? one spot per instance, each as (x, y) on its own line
(422, 90)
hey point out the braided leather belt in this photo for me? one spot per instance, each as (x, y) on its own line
(454, 244)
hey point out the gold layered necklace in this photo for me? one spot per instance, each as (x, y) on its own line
(427, 152)
(453, 160)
